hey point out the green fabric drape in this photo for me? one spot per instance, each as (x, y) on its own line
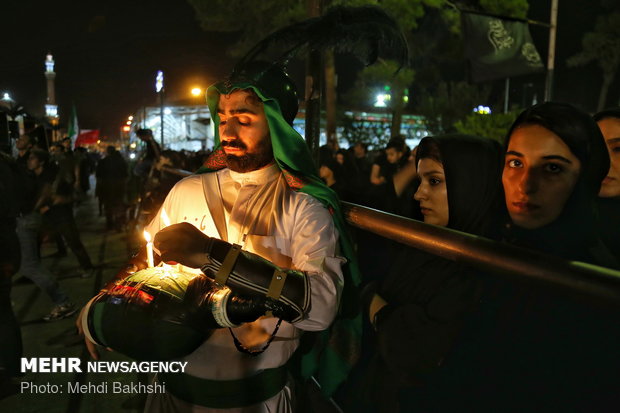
(337, 348)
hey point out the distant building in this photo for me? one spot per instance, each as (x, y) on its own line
(190, 128)
(185, 127)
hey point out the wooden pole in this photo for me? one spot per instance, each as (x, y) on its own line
(314, 80)
(551, 52)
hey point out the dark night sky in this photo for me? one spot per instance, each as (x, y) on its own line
(107, 54)
(581, 85)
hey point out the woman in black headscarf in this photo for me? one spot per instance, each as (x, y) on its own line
(555, 161)
(544, 351)
(419, 307)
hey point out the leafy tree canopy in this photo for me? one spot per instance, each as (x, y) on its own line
(252, 21)
(492, 126)
(601, 45)
(451, 102)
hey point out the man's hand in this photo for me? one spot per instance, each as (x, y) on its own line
(182, 243)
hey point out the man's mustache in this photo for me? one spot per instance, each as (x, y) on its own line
(235, 143)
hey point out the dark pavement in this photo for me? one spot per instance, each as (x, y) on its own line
(108, 251)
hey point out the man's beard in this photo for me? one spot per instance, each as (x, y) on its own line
(250, 161)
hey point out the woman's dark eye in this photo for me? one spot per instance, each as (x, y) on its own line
(553, 168)
(434, 181)
(514, 163)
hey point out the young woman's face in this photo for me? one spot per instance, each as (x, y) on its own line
(540, 173)
(432, 194)
(610, 187)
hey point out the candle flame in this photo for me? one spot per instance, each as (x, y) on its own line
(164, 217)
(147, 236)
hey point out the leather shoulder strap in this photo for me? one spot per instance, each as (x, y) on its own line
(213, 196)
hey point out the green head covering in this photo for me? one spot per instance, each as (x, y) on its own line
(338, 348)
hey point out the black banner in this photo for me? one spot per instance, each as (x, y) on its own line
(498, 48)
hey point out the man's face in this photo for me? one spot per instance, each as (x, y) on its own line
(33, 162)
(23, 143)
(145, 137)
(359, 151)
(56, 152)
(244, 131)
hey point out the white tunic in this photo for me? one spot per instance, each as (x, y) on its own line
(300, 235)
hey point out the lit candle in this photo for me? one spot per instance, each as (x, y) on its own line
(149, 249)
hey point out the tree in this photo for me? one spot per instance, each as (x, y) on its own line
(603, 46)
(234, 16)
(441, 92)
(377, 77)
(451, 102)
(492, 126)
(268, 15)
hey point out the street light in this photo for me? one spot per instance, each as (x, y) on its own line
(159, 87)
(196, 91)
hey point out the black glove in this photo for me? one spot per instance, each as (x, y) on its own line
(247, 309)
(216, 307)
(250, 275)
(183, 243)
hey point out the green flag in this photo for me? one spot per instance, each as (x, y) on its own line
(498, 48)
(72, 129)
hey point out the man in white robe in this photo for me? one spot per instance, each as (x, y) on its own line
(249, 199)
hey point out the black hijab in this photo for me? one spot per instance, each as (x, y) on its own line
(428, 296)
(472, 169)
(573, 234)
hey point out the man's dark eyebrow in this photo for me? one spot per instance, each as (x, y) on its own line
(237, 111)
(515, 153)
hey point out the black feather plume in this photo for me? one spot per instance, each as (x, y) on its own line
(366, 32)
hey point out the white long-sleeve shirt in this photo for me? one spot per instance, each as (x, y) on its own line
(293, 230)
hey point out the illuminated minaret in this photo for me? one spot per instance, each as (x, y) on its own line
(51, 109)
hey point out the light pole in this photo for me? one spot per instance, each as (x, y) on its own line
(198, 93)
(159, 87)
